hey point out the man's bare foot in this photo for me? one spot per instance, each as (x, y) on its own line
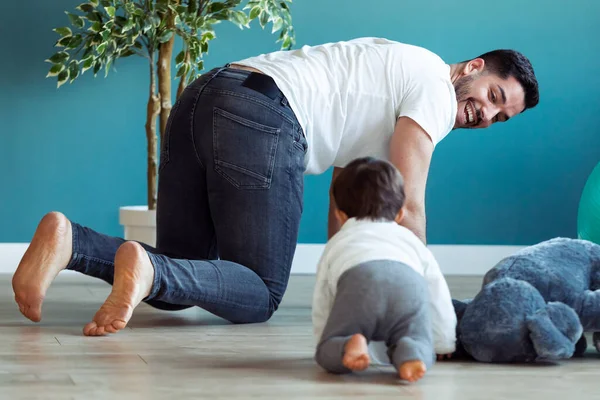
(356, 353)
(134, 275)
(412, 371)
(48, 253)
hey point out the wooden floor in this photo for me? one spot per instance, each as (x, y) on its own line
(191, 354)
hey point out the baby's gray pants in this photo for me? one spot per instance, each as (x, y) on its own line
(384, 301)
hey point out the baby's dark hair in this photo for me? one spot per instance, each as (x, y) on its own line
(369, 188)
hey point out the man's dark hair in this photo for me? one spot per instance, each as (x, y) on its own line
(506, 63)
(369, 188)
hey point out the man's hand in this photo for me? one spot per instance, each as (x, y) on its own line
(333, 225)
(410, 151)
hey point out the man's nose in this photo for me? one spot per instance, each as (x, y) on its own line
(488, 113)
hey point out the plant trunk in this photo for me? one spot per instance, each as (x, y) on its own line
(152, 113)
(182, 82)
(165, 54)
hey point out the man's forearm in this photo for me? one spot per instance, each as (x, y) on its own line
(415, 221)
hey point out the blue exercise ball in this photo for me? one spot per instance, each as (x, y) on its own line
(588, 215)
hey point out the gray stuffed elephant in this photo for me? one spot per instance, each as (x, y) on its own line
(534, 305)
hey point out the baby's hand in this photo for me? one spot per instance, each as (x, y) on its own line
(442, 357)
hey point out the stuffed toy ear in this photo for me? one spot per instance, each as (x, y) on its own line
(552, 329)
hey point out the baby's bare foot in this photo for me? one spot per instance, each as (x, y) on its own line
(134, 275)
(356, 353)
(412, 370)
(48, 253)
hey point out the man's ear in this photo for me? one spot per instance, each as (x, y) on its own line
(474, 66)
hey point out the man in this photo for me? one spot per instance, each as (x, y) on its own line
(239, 140)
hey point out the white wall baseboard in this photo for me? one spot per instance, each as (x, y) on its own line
(453, 259)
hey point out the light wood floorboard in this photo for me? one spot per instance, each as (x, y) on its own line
(191, 355)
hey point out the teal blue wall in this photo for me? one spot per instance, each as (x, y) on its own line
(81, 149)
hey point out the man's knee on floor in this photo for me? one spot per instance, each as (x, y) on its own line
(258, 315)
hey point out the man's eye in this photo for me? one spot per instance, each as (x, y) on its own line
(493, 97)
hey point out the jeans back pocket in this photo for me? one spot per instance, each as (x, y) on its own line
(244, 150)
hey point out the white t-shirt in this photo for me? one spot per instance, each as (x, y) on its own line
(347, 96)
(360, 241)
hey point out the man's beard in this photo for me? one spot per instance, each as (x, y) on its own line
(462, 87)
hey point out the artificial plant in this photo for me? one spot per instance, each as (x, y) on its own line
(102, 31)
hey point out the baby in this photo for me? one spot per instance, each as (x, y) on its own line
(377, 281)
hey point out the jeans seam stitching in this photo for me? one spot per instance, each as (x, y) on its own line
(254, 99)
(242, 170)
(247, 123)
(200, 91)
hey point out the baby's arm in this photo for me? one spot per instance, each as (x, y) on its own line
(443, 317)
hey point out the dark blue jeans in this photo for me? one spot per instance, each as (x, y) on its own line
(229, 201)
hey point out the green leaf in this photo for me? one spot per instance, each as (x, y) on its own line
(180, 57)
(107, 66)
(204, 47)
(147, 25)
(200, 65)
(62, 78)
(101, 48)
(215, 7)
(255, 12)
(109, 24)
(264, 19)
(110, 11)
(76, 20)
(287, 43)
(241, 18)
(209, 35)
(138, 12)
(55, 70)
(221, 15)
(126, 53)
(97, 66)
(94, 3)
(85, 7)
(87, 63)
(128, 26)
(59, 57)
(181, 71)
(88, 50)
(165, 37)
(277, 24)
(64, 31)
(105, 35)
(75, 42)
(95, 27)
(64, 42)
(73, 70)
(192, 6)
(94, 16)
